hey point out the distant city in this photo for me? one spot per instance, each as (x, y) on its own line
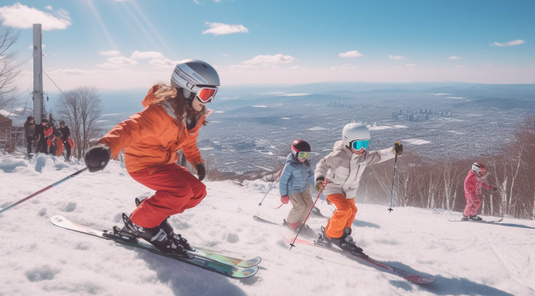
(251, 128)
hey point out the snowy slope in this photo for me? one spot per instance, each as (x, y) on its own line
(41, 259)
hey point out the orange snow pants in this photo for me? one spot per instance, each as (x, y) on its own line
(343, 216)
(176, 190)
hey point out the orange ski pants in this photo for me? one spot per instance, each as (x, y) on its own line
(176, 190)
(343, 216)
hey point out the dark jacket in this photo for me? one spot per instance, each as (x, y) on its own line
(65, 133)
(29, 130)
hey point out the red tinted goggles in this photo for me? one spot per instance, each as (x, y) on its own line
(206, 93)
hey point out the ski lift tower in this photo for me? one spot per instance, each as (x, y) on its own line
(38, 100)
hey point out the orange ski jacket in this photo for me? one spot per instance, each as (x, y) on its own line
(153, 136)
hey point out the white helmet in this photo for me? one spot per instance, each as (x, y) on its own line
(354, 131)
(194, 74)
(478, 168)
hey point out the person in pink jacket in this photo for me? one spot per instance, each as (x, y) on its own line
(472, 191)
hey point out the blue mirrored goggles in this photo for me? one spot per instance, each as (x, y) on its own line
(359, 144)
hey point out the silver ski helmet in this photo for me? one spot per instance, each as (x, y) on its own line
(354, 131)
(478, 168)
(194, 75)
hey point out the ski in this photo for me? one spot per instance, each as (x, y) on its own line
(367, 260)
(201, 252)
(239, 262)
(259, 219)
(197, 259)
(307, 231)
(482, 221)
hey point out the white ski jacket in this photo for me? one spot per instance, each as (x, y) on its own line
(344, 168)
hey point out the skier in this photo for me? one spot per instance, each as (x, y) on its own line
(29, 132)
(473, 183)
(65, 135)
(171, 121)
(42, 132)
(294, 184)
(344, 167)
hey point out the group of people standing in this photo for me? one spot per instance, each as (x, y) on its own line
(47, 139)
(171, 120)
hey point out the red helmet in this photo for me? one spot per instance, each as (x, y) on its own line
(478, 168)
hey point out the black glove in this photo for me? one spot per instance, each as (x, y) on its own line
(494, 189)
(201, 171)
(97, 157)
(319, 184)
(398, 148)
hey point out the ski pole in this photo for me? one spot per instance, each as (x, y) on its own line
(292, 244)
(271, 186)
(393, 182)
(42, 190)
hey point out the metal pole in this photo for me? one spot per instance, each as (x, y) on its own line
(38, 101)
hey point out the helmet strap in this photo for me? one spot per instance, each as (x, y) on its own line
(188, 95)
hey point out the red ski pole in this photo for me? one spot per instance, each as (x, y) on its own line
(314, 204)
(42, 190)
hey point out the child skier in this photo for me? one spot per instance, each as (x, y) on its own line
(171, 121)
(344, 167)
(294, 183)
(473, 183)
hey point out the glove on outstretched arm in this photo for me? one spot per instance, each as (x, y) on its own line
(201, 171)
(97, 157)
(398, 148)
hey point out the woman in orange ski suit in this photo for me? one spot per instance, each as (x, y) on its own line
(171, 121)
(150, 140)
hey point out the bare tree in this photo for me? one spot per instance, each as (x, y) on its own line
(8, 66)
(80, 108)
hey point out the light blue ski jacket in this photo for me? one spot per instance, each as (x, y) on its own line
(295, 176)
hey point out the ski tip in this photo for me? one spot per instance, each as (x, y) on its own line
(57, 219)
(420, 280)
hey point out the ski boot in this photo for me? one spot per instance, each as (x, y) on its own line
(299, 227)
(465, 218)
(166, 226)
(155, 236)
(345, 242)
(475, 218)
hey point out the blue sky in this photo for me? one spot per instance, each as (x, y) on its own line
(128, 44)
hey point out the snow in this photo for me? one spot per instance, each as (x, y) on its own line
(41, 259)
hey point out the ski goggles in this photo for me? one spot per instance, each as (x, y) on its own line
(303, 155)
(359, 144)
(206, 93)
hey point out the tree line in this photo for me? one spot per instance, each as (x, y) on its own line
(439, 184)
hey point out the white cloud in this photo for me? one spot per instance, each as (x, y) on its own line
(23, 17)
(162, 63)
(137, 55)
(453, 58)
(350, 54)
(269, 60)
(510, 43)
(224, 29)
(395, 57)
(118, 63)
(109, 53)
